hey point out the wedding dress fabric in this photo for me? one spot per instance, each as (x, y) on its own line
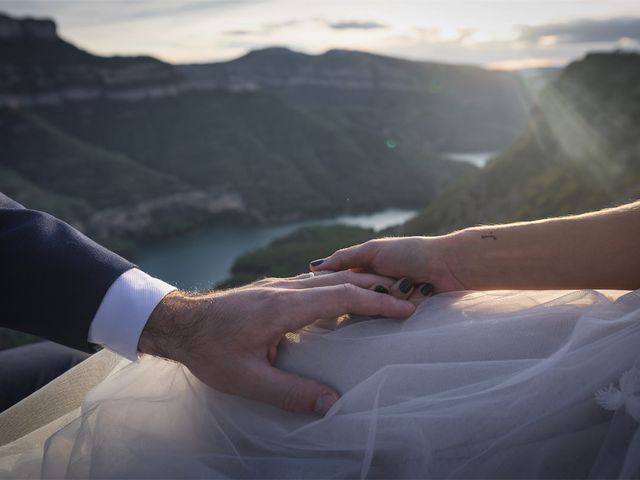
(473, 385)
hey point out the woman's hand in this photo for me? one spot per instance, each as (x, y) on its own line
(592, 250)
(426, 261)
(229, 339)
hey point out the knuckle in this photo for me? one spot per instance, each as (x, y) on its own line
(339, 253)
(349, 289)
(287, 304)
(373, 243)
(349, 295)
(263, 282)
(294, 398)
(379, 302)
(269, 299)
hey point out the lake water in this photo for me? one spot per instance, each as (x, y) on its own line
(479, 159)
(203, 258)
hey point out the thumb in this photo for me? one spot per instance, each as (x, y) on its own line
(357, 256)
(294, 393)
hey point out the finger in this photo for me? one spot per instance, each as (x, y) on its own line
(426, 289)
(379, 288)
(301, 276)
(357, 256)
(262, 282)
(364, 280)
(361, 270)
(333, 301)
(316, 273)
(322, 272)
(421, 293)
(290, 392)
(403, 288)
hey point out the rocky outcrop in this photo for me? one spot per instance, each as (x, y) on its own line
(134, 220)
(80, 94)
(343, 69)
(13, 28)
(37, 67)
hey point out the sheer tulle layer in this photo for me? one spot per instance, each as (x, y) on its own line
(497, 384)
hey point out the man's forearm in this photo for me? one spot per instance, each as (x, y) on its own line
(52, 277)
(594, 250)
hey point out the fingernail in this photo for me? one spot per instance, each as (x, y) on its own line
(325, 402)
(380, 289)
(317, 262)
(405, 285)
(426, 289)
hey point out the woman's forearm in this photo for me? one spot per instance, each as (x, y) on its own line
(593, 250)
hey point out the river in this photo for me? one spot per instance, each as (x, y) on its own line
(479, 159)
(204, 257)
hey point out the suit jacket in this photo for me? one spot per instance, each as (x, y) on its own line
(52, 277)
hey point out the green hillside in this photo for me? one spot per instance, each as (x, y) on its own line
(64, 165)
(291, 254)
(45, 168)
(283, 161)
(581, 151)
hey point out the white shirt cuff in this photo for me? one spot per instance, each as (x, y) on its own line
(124, 311)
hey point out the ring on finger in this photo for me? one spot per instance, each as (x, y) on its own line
(302, 276)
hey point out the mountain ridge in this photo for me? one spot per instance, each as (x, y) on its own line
(443, 107)
(402, 97)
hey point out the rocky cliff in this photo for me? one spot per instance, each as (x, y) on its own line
(37, 67)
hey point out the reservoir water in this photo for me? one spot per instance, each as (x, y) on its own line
(479, 159)
(203, 258)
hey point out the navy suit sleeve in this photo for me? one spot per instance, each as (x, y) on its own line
(52, 277)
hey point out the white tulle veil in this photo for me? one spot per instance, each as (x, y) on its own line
(474, 385)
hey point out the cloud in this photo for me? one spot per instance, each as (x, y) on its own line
(582, 31)
(269, 28)
(133, 10)
(355, 25)
(238, 32)
(112, 12)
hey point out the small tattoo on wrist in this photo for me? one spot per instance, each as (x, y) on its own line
(489, 235)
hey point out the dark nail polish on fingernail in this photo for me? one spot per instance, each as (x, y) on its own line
(317, 262)
(405, 285)
(380, 289)
(426, 289)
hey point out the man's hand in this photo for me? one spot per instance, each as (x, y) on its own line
(229, 339)
(426, 261)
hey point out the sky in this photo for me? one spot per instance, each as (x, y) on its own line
(499, 34)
